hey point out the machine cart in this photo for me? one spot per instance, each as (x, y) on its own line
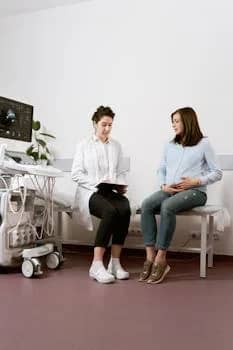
(27, 235)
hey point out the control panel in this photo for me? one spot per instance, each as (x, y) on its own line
(20, 157)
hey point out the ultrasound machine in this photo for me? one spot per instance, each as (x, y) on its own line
(27, 229)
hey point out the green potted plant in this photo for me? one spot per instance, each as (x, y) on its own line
(39, 149)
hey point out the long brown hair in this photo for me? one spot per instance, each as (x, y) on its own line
(192, 132)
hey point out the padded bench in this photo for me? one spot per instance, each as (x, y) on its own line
(207, 214)
(206, 249)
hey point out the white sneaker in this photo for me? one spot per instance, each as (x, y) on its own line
(117, 271)
(101, 275)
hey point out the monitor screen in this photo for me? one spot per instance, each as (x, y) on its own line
(15, 120)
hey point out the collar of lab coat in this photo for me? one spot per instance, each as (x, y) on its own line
(96, 139)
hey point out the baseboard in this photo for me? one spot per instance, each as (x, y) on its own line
(88, 249)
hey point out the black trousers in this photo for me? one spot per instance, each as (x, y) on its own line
(114, 211)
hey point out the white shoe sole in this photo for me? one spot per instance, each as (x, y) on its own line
(126, 277)
(94, 277)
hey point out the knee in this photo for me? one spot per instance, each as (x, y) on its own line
(110, 212)
(166, 207)
(146, 205)
(127, 209)
(124, 210)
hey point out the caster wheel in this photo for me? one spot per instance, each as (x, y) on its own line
(37, 266)
(61, 258)
(28, 268)
(31, 267)
(53, 260)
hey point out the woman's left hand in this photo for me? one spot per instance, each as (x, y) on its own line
(187, 182)
(121, 189)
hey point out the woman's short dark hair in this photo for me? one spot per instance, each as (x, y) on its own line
(192, 132)
(102, 112)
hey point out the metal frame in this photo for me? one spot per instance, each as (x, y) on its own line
(206, 249)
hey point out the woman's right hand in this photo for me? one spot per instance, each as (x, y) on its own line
(170, 189)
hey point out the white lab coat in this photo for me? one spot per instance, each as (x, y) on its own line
(85, 172)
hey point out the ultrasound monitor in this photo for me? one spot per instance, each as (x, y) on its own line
(15, 120)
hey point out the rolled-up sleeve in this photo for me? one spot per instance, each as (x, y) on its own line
(213, 173)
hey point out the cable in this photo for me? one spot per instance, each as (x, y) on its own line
(23, 197)
(18, 188)
(4, 182)
(45, 192)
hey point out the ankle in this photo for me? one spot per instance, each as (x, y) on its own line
(115, 260)
(117, 270)
(96, 264)
(160, 261)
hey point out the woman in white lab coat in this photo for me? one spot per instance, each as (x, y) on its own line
(98, 159)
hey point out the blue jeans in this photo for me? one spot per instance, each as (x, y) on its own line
(167, 205)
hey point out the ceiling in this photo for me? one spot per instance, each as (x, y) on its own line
(14, 7)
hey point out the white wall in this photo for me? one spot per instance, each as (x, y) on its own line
(144, 58)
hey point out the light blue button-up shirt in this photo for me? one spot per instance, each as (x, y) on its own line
(197, 161)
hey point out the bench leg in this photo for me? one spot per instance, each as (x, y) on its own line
(59, 233)
(203, 246)
(211, 241)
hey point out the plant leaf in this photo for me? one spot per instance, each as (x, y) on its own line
(35, 125)
(43, 156)
(29, 150)
(41, 142)
(35, 155)
(48, 135)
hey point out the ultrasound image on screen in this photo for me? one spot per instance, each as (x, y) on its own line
(15, 120)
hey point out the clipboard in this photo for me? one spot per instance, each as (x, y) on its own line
(107, 185)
